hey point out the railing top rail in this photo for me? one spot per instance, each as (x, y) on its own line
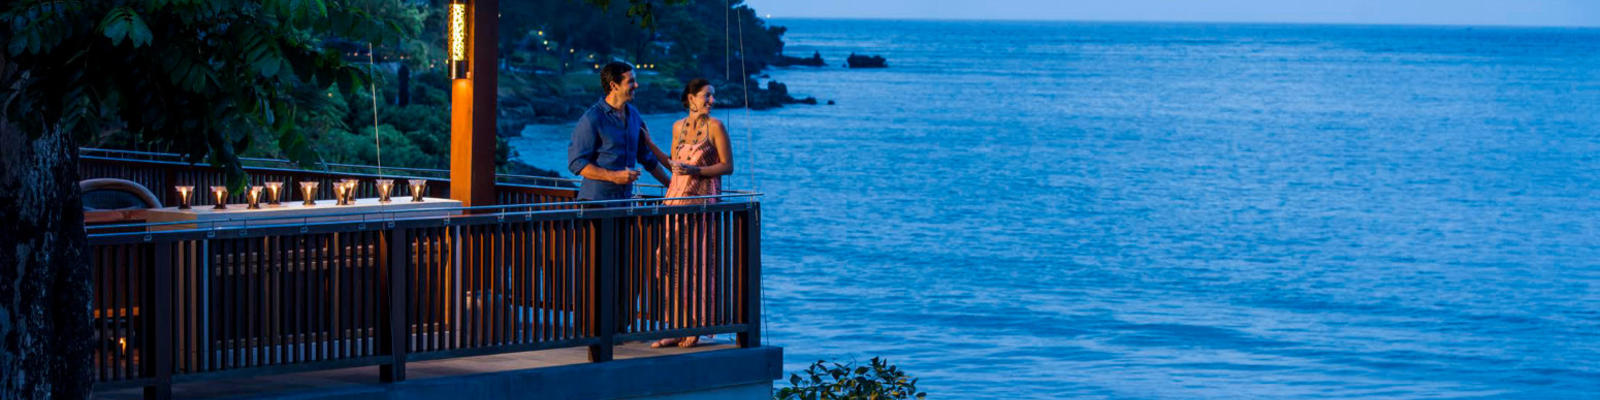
(116, 154)
(396, 222)
(398, 215)
(286, 165)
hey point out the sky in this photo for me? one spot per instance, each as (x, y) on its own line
(1423, 12)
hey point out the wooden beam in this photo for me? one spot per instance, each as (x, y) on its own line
(473, 107)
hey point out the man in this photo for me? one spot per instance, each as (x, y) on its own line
(609, 140)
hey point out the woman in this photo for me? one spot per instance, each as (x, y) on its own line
(701, 155)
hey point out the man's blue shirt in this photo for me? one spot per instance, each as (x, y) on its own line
(603, 139)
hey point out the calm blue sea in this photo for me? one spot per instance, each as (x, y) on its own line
(1184, 211)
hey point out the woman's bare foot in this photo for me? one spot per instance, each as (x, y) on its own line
(668, 342)
(689, 341)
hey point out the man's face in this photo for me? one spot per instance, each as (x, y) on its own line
(624, 89)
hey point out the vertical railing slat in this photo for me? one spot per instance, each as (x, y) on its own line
(159, 356)
(394, 260)
(602, 303)
(751, 337)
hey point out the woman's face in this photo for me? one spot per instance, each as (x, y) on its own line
(701, 101)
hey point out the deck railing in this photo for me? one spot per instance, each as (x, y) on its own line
(161, 172)
(244, 300)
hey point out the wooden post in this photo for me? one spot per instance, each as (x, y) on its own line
(158, 358)
(394, 335)
(604, 316)
(751, 337)
(472, 111)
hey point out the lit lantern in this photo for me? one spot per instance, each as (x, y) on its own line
(458, 39)
(253, 198)
(273, 190)
(418, 186)
(220, 194)
(308, 191)
(184, 193)
(384, 187)
(350, 190)
(341, 193)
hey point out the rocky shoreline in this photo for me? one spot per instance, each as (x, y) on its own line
(521, 108)
(518, 111)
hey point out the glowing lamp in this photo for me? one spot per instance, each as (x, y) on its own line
(457, 38)
(184, 193)
(341, 193)
(344, 192)
(220, 194)
(273, 190)
(418, 187)
(308, 191)
(253, 198)
(384, 187)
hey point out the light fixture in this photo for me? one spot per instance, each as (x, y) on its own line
(253, 198)
(273, 191)
(308, 191)
(457, 46)
(418, 187)
(350, 190)
(184, 193)
(341, 193)
(220, 194)
(344, 192)
(384, 187)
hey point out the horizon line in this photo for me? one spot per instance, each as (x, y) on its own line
(1347, 23)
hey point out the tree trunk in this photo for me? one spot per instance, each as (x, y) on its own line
(45, 349)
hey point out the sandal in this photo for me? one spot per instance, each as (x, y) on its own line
(668, 342)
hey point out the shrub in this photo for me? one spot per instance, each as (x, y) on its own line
(879, 380)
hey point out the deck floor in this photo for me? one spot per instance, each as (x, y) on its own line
(287, 384)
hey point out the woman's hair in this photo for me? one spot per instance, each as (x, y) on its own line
(693, 87)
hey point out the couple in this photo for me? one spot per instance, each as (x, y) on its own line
(611, 137)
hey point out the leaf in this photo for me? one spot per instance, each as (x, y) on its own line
(122, 23)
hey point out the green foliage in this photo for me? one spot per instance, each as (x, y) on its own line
(684, 39)
(642, 11)
(219, 79)
(875, 381)
(204, 78)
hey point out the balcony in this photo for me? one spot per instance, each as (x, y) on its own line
(539, 295)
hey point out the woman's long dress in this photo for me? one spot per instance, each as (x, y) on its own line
(692, 265)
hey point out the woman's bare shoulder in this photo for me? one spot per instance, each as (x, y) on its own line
(716, 124)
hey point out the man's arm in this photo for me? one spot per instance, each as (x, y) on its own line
(661, 156)
(581, 154)
(656, 171)
(622, 177)
(650, 156)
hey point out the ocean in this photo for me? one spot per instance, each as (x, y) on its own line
(1043, 210)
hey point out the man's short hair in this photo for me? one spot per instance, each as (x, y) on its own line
(611, 74)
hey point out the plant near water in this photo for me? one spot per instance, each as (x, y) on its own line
(875, 381)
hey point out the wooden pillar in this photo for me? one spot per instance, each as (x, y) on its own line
(603, 317)
(393, 336)
(751, 337)
(472, 110)
(158, 358)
